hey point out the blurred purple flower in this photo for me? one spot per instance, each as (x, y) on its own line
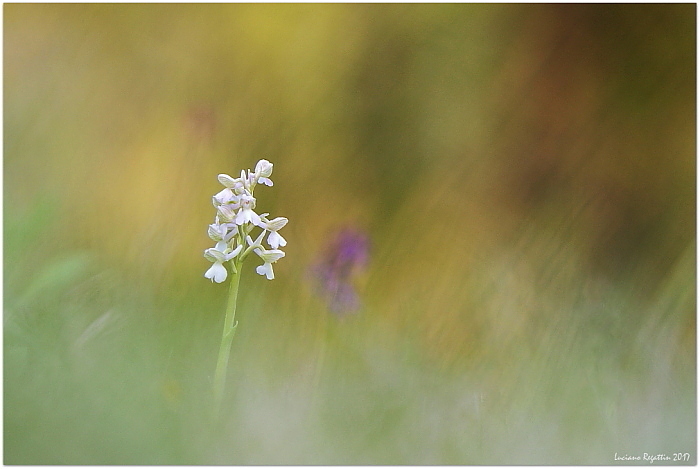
(344, 257)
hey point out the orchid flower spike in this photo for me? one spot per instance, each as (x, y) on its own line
(234, 222)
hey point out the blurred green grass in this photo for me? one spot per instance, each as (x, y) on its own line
(526, 175)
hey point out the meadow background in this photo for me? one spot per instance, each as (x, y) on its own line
(525, 175)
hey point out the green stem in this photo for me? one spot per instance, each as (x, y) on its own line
(226, 338)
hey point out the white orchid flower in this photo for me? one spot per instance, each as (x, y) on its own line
(263, 170)
(226, 196)
(269, 257)
(217, 272)
(275, 240)
(246, 214)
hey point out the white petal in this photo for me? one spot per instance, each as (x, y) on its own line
(277, 224)
(275, 240)
(270, 255)
(255, 218)
(258, 240)
(214, 255)
(226, 180)
(225, 196)
(217, 273)
(266, 181)
(216, 233)
(263, 168)
(266, 270)
(241, 217)
(239, 188)
(226, 212)
(231, 233)
(234, 253)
